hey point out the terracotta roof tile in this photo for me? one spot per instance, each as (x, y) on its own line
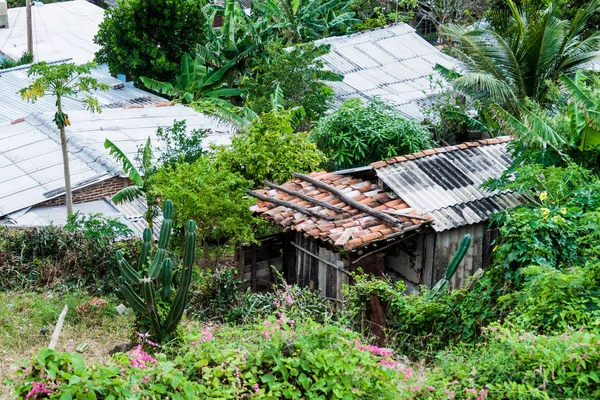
(437, 150)
(368, 228)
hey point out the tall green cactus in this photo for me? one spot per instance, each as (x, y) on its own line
(159, 277)
(440, 287)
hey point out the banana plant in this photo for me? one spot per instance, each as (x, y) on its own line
(140, 185)
(201, 87)
(440, 288)
(159, 278)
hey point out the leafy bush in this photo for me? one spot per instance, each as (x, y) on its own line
(6, 63)
(299, 73)
(358, 134)
(276, 358)
(143, 38)
(217, 296)
(213, 197)
(521, 365)
(270, 150)
(82, 254)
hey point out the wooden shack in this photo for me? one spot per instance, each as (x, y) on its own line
(405, 219)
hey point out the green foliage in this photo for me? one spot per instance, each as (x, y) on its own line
(140, 186)
(80, 255)
(176, 144)
(554, 231)
(300, 75)
(370, 14)
(158, 278)
(201, 87)
(275, 358)
(63, 80)
(217, 296)
(211, 196)
(25, 59)
(521, 56)
(142, 38)
(298, 21)
(270, 150)
(358, 134)
(521, 365)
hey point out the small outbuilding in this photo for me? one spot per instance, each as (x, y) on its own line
(402, 217)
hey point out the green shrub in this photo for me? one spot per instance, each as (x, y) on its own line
(358, 134)
(217, 296)
(81, 254)
(276, 358)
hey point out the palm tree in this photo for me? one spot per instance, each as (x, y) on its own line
(202, 88)
(557, 138)
(517, 58)
(140, 185)
(300, 21)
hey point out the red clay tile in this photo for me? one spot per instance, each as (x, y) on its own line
(378, 164)
(350, 224)
(378, 228)
(419, 154)
(353, 243)
(400, 158)
(386, 231)
(429, 152)
(371, 236)
(462, 146)
(326, 227)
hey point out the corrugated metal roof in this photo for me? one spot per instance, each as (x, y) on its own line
(446, 182)
(13, 107)
(60, 30)
(31, 168)
(393, 62)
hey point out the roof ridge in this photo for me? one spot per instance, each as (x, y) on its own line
(445, 149)
(78, 148)
(332, 39)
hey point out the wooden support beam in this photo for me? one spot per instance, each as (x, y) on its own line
(293, 206)
(304, 197)
(351, 202)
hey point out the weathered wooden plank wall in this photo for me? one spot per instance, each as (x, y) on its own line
(422, 260)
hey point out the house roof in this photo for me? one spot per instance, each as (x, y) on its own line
(12, 106)
(131, 213)
(350, 228)
(31, 160)
(445, 183)
(60, 30)
(393, 63)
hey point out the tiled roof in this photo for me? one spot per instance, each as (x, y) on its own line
(393, 63)
(12, 106)
(445, 183)
(351, 228)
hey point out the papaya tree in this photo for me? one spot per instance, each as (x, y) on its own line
(65, 80)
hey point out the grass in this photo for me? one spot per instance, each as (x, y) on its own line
(27, 320)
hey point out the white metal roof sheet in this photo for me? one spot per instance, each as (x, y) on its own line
(391, 56)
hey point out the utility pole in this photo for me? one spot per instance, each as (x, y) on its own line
(29, 28)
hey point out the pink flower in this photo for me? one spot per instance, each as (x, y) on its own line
(37, 389)
(146, 379)
(276, 303)
(390, 364)
(139, 358)
(204, 337)
(288, 298)
(430, 388)
(256, 388)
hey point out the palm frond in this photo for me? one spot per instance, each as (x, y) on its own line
(277, 98)
(577, 91)
(159, 87)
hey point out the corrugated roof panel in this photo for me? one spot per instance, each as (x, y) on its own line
(13, 107)
(448, 184)
(378, 53)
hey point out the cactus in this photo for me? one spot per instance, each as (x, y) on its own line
(159, 277)
(440, 287)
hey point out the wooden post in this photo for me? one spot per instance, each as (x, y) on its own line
(29, 27)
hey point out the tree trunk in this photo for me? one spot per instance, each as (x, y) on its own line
(66, 169)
